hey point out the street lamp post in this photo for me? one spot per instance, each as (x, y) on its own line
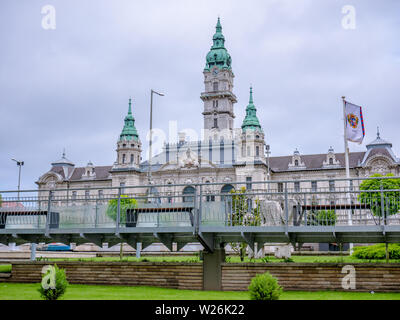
(151, 131)
(268, 151)
(19, 164)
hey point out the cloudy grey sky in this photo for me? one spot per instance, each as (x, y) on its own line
(69, 87)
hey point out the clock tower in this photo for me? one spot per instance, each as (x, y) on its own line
(218, 97)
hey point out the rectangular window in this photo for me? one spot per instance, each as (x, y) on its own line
(248, 183)
(331, 185)
(280, 186)
(257, 151)
(73, 195)
(122, 185)
(87, 194)
(215, 123)
(215, 86)
(297, 186)
(101, 195)
(313, 186)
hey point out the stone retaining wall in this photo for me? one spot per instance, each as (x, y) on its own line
(235, 276)
(167, 275)
(314, 276)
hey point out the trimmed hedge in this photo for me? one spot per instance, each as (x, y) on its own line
(264, 287)
(377, 251)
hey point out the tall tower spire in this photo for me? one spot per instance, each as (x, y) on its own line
(129, 147)
(129, 131)
(218, 55)
(218, 97)
(251, 120)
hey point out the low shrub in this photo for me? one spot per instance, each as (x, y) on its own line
(377, 252)
(60, 284)
(264, 287)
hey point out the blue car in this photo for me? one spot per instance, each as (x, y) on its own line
(57, 247)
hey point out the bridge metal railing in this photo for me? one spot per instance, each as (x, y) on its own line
(311, 203)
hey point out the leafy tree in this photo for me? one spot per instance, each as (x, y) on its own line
(391, 199)
(322, 218)
(125, 204)
(241, 214)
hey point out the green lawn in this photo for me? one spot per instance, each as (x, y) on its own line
(233, 259)
(19, 291)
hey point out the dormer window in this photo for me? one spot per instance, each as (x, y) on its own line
(296, 163)
(330, 160)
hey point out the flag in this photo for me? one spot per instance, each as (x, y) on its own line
(355, 131)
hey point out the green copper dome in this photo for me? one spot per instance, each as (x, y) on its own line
(129, 131)
(218, 55)
(251, 122)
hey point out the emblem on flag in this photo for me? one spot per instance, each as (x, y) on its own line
(352, 120)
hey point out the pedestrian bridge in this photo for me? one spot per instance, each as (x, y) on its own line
(339, 211)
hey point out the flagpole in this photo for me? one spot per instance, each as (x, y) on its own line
(346, 145)
(346, 159)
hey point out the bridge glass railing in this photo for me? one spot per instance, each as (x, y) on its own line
(311, 203)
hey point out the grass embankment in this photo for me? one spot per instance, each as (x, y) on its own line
(19, 291)
(5, 268)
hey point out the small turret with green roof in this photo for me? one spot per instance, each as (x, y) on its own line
(218, 55)
(251, 121)
(129, 131)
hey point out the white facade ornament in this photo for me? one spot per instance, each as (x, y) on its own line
(189, 160)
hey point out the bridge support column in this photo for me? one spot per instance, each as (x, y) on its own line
(33, 251)
(212, 269)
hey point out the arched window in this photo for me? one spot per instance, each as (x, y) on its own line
(131, 158)
(331, 161)
(186, 192)
(296, 163)
(227, 188)
(123, 158)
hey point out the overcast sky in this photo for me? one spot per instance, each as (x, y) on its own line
(69, 87)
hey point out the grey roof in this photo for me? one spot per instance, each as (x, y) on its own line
(379, 142)
(315, 161)
(102, 173)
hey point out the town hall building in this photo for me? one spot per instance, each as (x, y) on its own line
(224, 155)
